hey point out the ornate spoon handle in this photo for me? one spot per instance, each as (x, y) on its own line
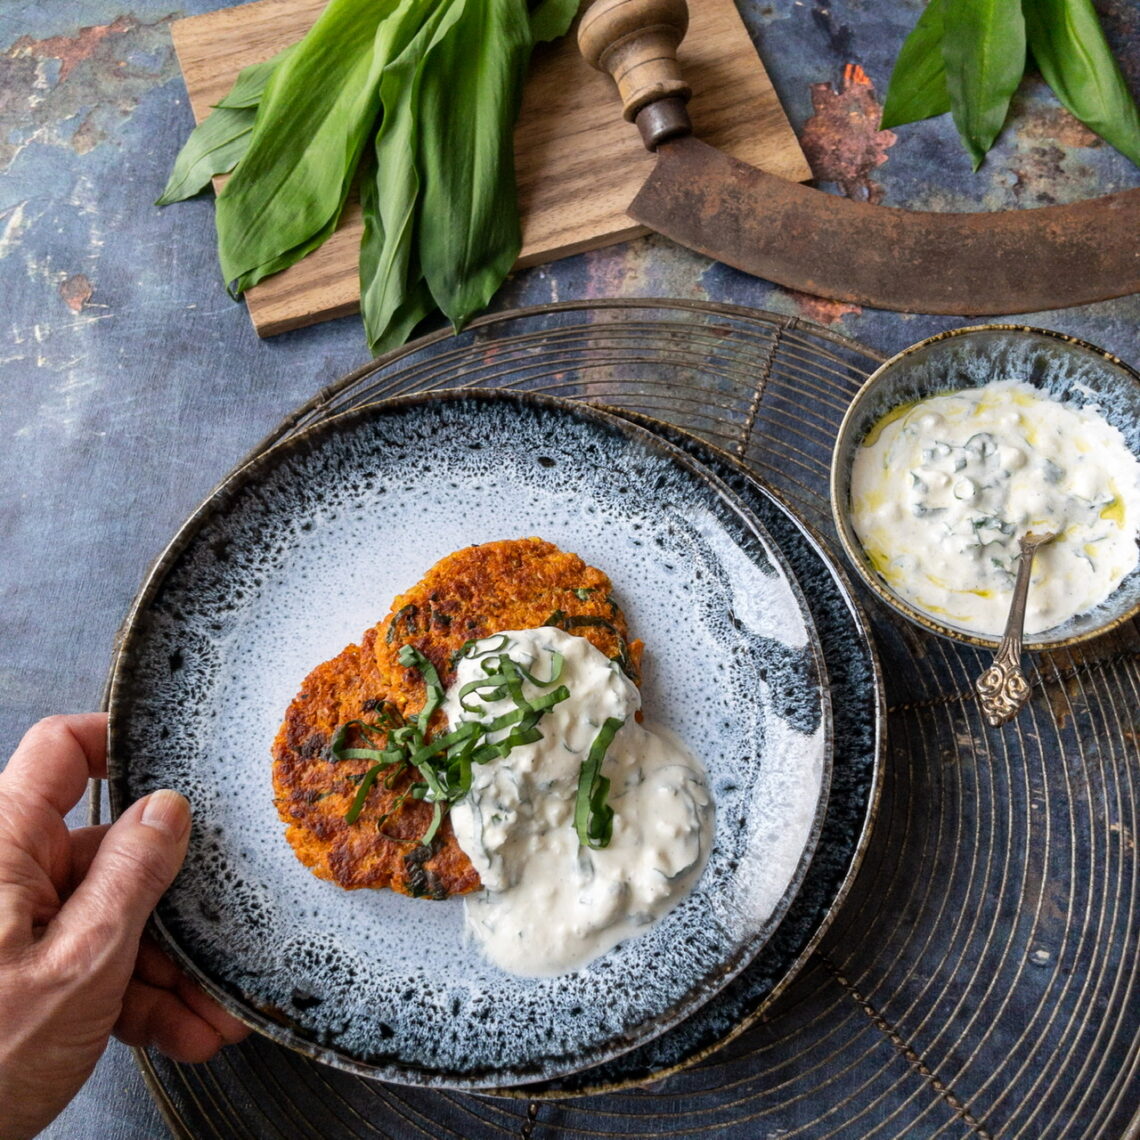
(1003, 688)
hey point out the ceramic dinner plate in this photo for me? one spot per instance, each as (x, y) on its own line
(303, 549)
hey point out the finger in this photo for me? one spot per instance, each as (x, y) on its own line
(154, 965)
(156, 969)
(81, 845)
(225, 1024)
(84, 843)
(37, 878)
(158, 1017)
(55, 759)
(136, 861)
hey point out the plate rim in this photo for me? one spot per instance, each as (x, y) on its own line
(224, 495)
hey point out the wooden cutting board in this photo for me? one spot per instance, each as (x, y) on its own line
(578, 163)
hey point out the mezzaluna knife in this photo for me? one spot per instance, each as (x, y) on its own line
(1002, 262)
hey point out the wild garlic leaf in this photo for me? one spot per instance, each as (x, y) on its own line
(219, 142)
(250, 84)
(432, 148)
(469, 100)
(215, 146)
(983, 48)
(394, 297)
(550, 19)
(316, 115)
(238, 285)
(1071, 51)
(407, 300)
(917, 89)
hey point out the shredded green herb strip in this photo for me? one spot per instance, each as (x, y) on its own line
(969, 56)
(593, 816)
(362, 793)
(444, 762)
(413, 102)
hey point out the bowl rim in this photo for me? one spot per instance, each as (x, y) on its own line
(853, 549)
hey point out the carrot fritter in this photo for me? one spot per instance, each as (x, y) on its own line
(479, 591)
(473, 593)
(381, 847)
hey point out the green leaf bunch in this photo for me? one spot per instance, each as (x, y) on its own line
(413, 102)
(968, 57)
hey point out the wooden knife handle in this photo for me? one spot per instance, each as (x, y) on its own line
(636, 42)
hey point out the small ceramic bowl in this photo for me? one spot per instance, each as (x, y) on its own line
(1062, 367)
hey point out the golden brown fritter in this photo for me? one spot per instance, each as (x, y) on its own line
(513, 584)
(473, 593)
(381, 848)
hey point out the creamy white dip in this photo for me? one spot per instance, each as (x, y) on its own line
(551, 904)
(941, 491)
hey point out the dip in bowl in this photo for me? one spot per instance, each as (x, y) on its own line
(961, 443)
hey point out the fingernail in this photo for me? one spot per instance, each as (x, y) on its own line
(167, 811)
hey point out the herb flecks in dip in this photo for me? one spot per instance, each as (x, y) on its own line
(584, 835)
(942, 490)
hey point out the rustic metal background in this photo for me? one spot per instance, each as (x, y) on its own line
(980, 979)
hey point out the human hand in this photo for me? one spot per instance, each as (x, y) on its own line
(72, 909)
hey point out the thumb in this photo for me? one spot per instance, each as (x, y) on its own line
(136, 861)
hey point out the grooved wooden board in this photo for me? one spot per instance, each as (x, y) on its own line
(578, 163)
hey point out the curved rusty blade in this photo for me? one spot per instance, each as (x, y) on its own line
(1018, 261)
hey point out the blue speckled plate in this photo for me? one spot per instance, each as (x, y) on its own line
(303, 549)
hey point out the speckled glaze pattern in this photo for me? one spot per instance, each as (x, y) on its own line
(1063, 367)
(302, 550)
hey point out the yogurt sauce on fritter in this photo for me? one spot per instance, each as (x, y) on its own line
(942, 490)
(550, 903)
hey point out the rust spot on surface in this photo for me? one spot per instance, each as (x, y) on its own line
(72, 50)
(842, 140)
(73, 91)
(1058, 698)
(820, 310)
(1055, 124)
(76, 291)
(1051, 156)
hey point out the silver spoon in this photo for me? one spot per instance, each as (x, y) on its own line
(1003, 688)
